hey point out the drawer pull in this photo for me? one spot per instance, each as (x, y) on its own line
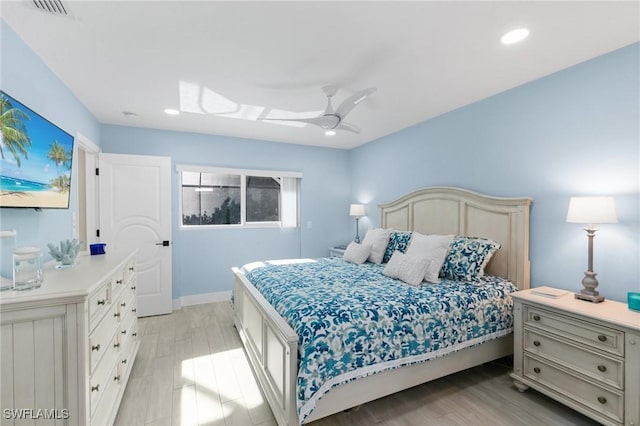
(102, 302)
(602, 338)
(131, 268)
(118, 281)
(134, 310)
(133, 287)
(116, 378)
(95, 388)
(602, 400)
(123, 332)
(117, 315)
(95, 347)
(123, 304)
(124, 361)
(134, 334)
(536, 370)
(602, 368)
(116, 345)
(536, 317)
(536, 343)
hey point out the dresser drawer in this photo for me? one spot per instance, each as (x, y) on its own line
(102, 407)
(100, 379)
(587, 333)
(606, 369)
(98, 302)
(100, 338)
(597, 399)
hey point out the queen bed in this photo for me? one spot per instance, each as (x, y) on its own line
(325, 335)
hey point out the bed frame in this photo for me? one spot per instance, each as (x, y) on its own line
(272, 345)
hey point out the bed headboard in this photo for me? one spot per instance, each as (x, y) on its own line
(446, 210)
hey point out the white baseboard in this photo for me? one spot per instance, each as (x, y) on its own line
(199, 299)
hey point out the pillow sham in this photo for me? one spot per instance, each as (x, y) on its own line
(398, 241)
(434, 248)
(467, 258)
(357, 253)
(409, 269)
(377, 238)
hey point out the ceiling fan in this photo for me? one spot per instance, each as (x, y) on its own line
(331, 119)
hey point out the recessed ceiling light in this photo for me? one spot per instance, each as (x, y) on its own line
(330, 132)
(514, 36)
(171, 111)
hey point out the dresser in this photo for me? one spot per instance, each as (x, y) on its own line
(67, 348)
(585, 355)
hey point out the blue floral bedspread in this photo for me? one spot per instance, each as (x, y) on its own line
(352, 321)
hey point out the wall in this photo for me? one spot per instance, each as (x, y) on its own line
(575, 132)
(25, 77)
(202, 259)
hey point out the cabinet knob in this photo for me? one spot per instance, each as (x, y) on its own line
(123, 304)
(536, 370)
(102, 302)
(134, 334)
(95, 347)
(134, 310)
(116, 345)
(536, 317)
(116, 378)
(118, 281)
(602, 400)
(536, 343)
(602, 338)
(131, 268)
(133, 287)
(95, 388)
(602, 368)
(117, 315)
(124, 361)
(123, 332)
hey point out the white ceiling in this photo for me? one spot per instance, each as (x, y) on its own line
(223, 63)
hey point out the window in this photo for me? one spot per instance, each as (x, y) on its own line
(234, 197)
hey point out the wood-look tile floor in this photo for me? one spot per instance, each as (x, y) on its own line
(191, 370)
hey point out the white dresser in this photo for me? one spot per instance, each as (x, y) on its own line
(67, 348)
(582, 354)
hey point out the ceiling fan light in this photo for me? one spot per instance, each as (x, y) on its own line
(330, 132)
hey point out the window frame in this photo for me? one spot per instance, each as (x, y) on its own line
(243, 173)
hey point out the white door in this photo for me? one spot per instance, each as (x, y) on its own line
(135, 212)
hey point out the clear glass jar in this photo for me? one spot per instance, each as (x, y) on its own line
(27, 268)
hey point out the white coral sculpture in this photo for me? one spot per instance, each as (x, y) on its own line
(67, 251)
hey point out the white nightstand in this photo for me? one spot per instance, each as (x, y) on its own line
(337, 251)
(585, 355)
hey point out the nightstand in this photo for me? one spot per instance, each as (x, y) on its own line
(337, 251)
(585, 355)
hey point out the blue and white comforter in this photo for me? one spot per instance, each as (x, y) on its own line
(352, 321)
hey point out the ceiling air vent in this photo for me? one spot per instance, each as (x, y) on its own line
(54, 7)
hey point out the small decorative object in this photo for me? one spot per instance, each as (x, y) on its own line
(357, 210)
(592, 211)
(97, 248)
(633, 297)
(66, 253)
(27, 268)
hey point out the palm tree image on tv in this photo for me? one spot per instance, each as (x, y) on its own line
(36, 158)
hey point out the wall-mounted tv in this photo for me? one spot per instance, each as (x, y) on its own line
(36, 159)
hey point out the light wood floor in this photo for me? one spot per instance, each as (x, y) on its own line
(191, 370)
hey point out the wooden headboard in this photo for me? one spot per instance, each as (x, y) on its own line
(446, 210)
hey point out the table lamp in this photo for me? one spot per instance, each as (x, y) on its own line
(358, 211)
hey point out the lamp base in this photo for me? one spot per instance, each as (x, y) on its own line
(594, 298)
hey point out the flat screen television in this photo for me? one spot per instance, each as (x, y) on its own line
(36, 159)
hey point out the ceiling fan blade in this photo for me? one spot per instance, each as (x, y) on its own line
(349, 127)
(350, 103)
(313, 120)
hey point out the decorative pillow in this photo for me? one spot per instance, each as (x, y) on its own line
(398, 241)
(468, 257)
(377, 238)
(357, 253)
(434, 248)
(409, 269)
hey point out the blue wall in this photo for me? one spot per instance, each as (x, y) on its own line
(202, 259)
(24, 76)
(575, 132)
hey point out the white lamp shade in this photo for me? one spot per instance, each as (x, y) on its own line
(592, 210)
(357, 210)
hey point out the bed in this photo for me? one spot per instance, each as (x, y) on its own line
(273, 347)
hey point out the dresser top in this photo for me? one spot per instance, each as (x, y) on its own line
(75, 282)
(608, 311)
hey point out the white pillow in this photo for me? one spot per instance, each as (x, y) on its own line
(434, 248)
(357, 253)
(410, 269)
(377, 238)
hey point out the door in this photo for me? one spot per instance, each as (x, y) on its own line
(135, 212)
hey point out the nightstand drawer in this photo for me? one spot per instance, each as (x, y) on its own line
(597, 399)
(587, 333)
(605, 369)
